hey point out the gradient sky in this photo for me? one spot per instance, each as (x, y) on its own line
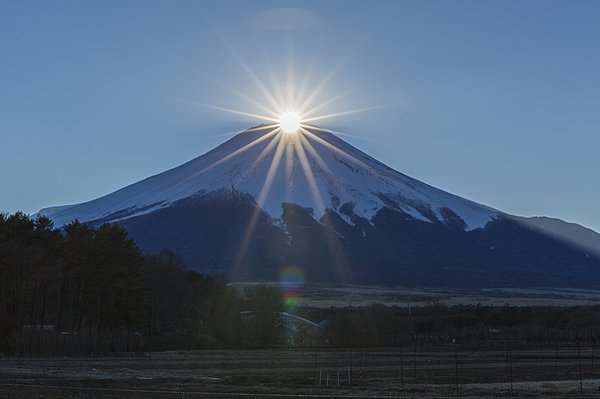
(496, 101)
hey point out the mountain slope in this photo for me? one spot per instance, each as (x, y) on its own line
(574, 234)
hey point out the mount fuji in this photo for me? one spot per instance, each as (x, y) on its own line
(264, 200)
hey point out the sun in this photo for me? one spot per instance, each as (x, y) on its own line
(290, 122)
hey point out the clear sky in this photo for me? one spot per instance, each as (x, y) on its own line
(496, 101)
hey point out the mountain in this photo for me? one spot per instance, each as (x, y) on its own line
(265, 199)
(344, 176)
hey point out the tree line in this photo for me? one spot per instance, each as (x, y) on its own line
(82, 289)
(480, 326)
(88, 290)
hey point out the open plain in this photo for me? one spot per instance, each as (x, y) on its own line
(455, 371)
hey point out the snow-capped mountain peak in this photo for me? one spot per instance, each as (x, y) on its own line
(313, 169)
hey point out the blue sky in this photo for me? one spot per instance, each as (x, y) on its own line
(496, 101)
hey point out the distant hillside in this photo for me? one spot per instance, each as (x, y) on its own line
(572, 233)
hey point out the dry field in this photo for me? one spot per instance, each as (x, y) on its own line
(433, 372)
(326, 295)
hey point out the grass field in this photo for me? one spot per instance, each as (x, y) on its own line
(385, 372)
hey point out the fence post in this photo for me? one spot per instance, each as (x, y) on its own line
(510, 368)
(592, 360)
(320, 377)
(509, 363)
(401, 369)
(455, 364)
(580, 373)
(316, 364)
(415, 356)
(556, 357)
(350, 369)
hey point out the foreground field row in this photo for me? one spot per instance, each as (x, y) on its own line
(353, 372)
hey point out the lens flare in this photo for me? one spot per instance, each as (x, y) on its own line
(291, 281)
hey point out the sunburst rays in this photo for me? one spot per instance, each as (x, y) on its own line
(292, 156)
(291, 152)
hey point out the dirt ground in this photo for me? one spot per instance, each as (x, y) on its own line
(391, 372)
